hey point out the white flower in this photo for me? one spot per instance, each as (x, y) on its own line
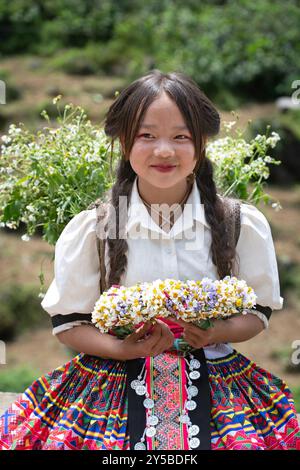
(30, 208)
(11, 225)
(56, 99)
(144, 301)
(6, 139)
(25, 238)
(229, 125)
(277, 206)
(273, 139)
(13, 129)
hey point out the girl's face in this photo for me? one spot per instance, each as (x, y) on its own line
(163, 139)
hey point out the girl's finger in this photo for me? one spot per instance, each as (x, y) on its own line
(153, 343)
(159, 349)
(192, 334)
(143, 329)
(165, 342)
(154, 336)
(167, 334)
(192, 340)
(140, 332)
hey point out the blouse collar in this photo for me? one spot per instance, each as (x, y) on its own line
(138, 214)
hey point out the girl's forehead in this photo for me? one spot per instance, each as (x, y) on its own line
(162, 108)
(162, 101)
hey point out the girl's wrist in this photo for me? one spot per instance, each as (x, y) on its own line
(124, 351)
(120, 350)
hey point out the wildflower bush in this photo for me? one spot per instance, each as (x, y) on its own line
(241, 168)
(49, 176)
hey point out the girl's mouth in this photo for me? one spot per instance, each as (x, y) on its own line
(164, 169)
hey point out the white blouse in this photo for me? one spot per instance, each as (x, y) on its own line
(182, 253)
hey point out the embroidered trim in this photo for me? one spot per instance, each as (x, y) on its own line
(59, 319)
(267, 311)
(261, 316)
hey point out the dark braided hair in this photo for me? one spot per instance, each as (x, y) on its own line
(123, 121)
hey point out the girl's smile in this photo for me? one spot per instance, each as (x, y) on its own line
(164, 168)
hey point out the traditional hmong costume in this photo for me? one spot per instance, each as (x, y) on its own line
(211, 398)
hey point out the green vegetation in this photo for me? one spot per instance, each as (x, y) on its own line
(17, 379)
(256, 56)
(289, 273)
(20, 309)
(48, 176)
(284, 356)
(296, 396)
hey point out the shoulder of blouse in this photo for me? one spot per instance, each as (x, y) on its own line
(254, 218)
(80, 226)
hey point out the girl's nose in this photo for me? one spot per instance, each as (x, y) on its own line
(163, 148)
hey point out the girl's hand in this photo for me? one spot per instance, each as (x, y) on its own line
(195, 336)
(156, 342)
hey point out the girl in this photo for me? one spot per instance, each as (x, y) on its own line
(142, 392)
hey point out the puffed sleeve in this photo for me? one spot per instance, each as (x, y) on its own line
(257, 261)
(74, 290)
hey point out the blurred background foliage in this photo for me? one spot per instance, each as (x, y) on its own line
(227, 46)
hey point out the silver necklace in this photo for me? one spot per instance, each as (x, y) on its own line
(164, 219)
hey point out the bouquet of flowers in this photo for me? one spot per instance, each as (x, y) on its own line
(121, 309)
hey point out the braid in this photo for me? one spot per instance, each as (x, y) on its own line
(223, 252)
(118, 247)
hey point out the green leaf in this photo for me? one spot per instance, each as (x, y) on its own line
(12, 211)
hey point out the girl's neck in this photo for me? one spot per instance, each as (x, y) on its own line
(154, 195)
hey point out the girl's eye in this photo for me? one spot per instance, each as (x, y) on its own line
(181, 135)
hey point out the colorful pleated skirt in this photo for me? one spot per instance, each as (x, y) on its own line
(91, 403)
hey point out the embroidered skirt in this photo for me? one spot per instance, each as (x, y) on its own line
(89, 404)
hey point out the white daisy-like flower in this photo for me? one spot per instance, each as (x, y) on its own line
(190, 301)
